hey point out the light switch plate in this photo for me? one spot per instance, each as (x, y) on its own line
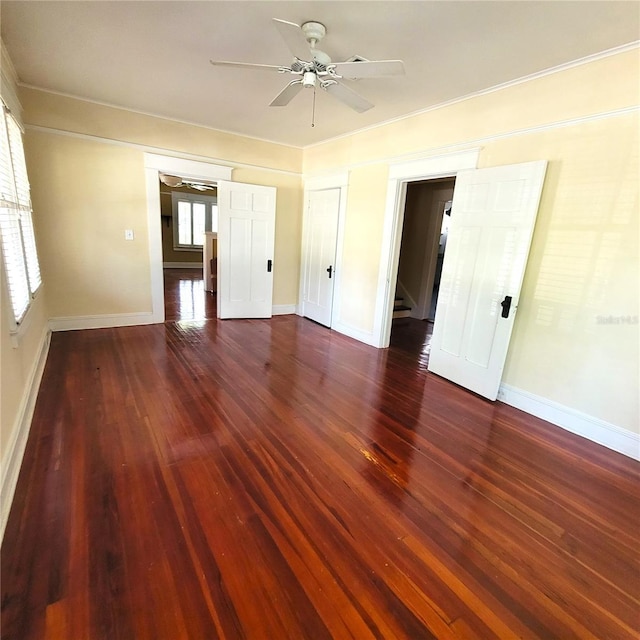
(128, 234)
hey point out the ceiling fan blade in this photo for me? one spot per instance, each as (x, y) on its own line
(287, 94)
(244, 65)
(369, 69)
(294, 38)
(348, 96)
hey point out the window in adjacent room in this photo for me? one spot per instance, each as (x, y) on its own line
(192, 216)
(16, 223)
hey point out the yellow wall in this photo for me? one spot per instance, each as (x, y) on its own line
(88, 190)
(18, 362)
(85, 194)
(602, 86)
(584, 258)
(68, 114)
(362, 242)
(583, 266)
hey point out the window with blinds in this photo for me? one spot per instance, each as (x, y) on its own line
(16, 223)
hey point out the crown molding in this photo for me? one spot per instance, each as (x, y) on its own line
(498, 87)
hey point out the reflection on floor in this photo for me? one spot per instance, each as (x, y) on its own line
(186, 300)
(414, 337)
(185, 297)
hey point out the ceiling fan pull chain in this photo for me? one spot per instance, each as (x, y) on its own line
(313, 109)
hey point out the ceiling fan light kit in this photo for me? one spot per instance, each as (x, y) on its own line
(313, 67)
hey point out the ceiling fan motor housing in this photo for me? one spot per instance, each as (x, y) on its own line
(313, 32)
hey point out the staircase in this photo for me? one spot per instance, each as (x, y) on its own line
(400, 309)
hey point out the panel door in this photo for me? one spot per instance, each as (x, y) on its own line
(246, 234)
(493, 215)
(321, 229)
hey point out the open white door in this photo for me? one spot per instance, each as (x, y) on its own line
(493, 215)
(321, 231)
(246, 232)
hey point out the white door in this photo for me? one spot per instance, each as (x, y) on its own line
(321, 230)
(492, 219)
(246, 232)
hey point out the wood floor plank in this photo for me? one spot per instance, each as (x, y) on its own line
(272, 479)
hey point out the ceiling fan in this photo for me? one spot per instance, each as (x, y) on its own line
(177, 181)
(313, 68)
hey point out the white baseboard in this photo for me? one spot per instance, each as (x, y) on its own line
(283, 309)
(594, 429)
(182, 265)
(102, 322)
(356, 334)
(14, 452)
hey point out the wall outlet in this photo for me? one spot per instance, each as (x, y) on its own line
(128, 234)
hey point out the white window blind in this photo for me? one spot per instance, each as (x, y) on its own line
(16, 223)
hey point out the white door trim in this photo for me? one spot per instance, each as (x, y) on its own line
(153, 165)
(399, 175)
(333, 181)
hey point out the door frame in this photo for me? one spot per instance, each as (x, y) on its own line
(155, 164)
(400, 174)
(322, 183)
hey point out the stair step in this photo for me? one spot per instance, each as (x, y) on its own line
(401, 311)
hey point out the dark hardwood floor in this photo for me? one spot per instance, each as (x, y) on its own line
(184, 296)
(272, 479)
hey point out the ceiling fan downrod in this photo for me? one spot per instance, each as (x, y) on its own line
(313, 32)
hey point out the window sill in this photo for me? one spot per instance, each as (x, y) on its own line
(190, 249)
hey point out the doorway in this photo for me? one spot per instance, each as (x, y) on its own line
(400, 176)
(427, 212)
(187, 211)
(155, 165)
(256, 201)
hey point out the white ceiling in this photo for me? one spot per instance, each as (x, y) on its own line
(154, 56)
